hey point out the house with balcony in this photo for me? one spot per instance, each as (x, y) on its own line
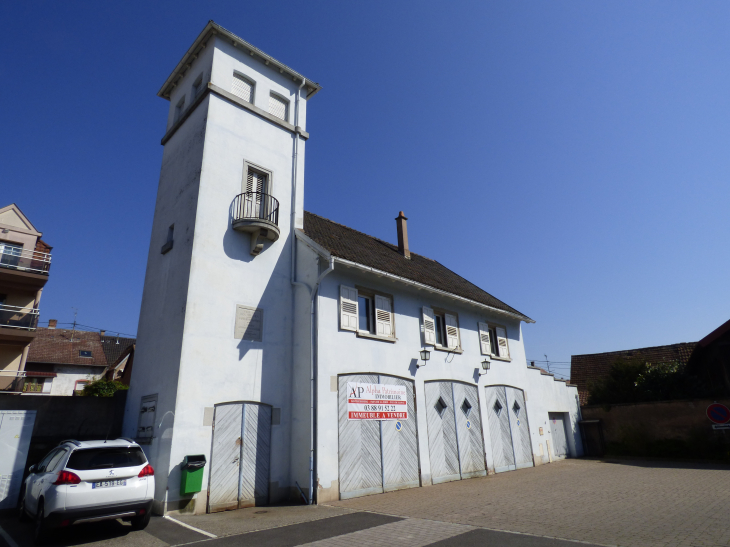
(25, 261)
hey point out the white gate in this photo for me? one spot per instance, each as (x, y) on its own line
(16, 429)
(509, 430)
(376, 455)
(557, 429)
(240, 456)
(455, 441)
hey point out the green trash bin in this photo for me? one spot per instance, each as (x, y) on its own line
(191, 478)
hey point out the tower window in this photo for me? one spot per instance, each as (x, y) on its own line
(243, 87)
(179, 109)
(197, 86)
(168, 243)
(278, 106)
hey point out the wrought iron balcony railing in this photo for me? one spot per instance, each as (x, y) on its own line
(256, 206)
(27, 261)
(18, 318)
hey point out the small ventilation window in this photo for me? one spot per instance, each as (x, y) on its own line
(243, 87)
(84, 353)
(497, 408)
(466, 408)
(516, 409)
(441, 406)
(278, 107)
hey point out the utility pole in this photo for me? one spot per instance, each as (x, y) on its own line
(548, 364)
(73, 332)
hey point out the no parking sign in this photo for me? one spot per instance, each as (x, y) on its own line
(719, 414)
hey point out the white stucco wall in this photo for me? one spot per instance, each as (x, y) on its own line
(342, 352)
(67, 376)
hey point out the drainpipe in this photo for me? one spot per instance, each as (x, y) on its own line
(312, 374)
(295, 160)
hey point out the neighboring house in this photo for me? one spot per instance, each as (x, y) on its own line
(24, 264)
(62, 361)
(114, 346)
(121, 369)
(710, 359)
(586, 369)
(285, 347)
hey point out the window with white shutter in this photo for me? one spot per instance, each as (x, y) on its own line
(278, 106)
(484, 342)
(502, 342)
(452, 331)
(243, 87)
(348, 308)
(429, 327)
(383, 316)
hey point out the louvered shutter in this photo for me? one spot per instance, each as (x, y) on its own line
(452, 331)
(484, 344)
(242, 88)
(502, 342)
(348, 308)
(429, 326)
(383, 316)
(277, 107)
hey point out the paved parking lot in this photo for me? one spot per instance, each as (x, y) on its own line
(629, 504)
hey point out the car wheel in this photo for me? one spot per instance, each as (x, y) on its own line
(141, 522)
(40, 530)
(22, 514)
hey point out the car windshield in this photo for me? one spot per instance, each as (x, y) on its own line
(106, 458)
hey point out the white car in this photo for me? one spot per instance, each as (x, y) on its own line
(88, 481)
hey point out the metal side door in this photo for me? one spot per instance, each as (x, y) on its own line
(255, 455)
(469, 431)
(557, 429)
(361, 471)
(520, 427)
(225, 458)
(500, 433)
(442, 442)
(400, 444)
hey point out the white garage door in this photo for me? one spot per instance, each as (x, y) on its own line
(376, 456)
(509, 430)
(557, 429)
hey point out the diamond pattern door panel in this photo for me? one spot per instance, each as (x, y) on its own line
(469, 430)
(442, 441)
(400, 444)
(519, 427)
(500, 433)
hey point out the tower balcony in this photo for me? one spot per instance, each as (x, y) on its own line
(258, 214)
(17, 325)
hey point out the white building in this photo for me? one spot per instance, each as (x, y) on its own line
(256, 316)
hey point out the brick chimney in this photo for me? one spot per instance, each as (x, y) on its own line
(52, 323)
(102, 333)
(400, 222)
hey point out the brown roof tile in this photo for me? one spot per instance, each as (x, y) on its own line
(114, 346)
(55, 346)
(588, 368)
(355, 246)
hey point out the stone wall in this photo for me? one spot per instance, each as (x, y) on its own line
(672, 429)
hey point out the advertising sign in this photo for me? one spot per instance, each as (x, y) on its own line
(376, 402)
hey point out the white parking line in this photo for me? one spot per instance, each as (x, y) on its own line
(181, 524)
(7, 538)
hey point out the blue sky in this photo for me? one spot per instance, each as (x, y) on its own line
(571, 158)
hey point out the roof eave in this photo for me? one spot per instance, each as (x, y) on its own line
(213, 28)
(434, 290)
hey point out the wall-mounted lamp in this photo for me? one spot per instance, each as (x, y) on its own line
(485, 367)
(425, 356)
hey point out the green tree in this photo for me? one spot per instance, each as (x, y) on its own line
(103, 388)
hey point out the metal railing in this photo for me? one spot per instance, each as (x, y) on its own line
(26, 261)
(256, 206)
(12, 381)
(18, 318)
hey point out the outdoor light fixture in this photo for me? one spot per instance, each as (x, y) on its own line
(425, 356)
(485, 366)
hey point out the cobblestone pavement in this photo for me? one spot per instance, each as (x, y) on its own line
(644, 504)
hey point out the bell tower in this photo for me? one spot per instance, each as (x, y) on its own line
(215, 326)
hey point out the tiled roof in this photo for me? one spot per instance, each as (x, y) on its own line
(55, 346)
(114, 346)
(349, 244)
(585, 369)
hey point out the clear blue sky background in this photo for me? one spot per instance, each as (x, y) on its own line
(571, 158)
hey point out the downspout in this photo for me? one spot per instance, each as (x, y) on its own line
(295, 161)
(312, 374)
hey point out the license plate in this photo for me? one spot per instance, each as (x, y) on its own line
(108, 484)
